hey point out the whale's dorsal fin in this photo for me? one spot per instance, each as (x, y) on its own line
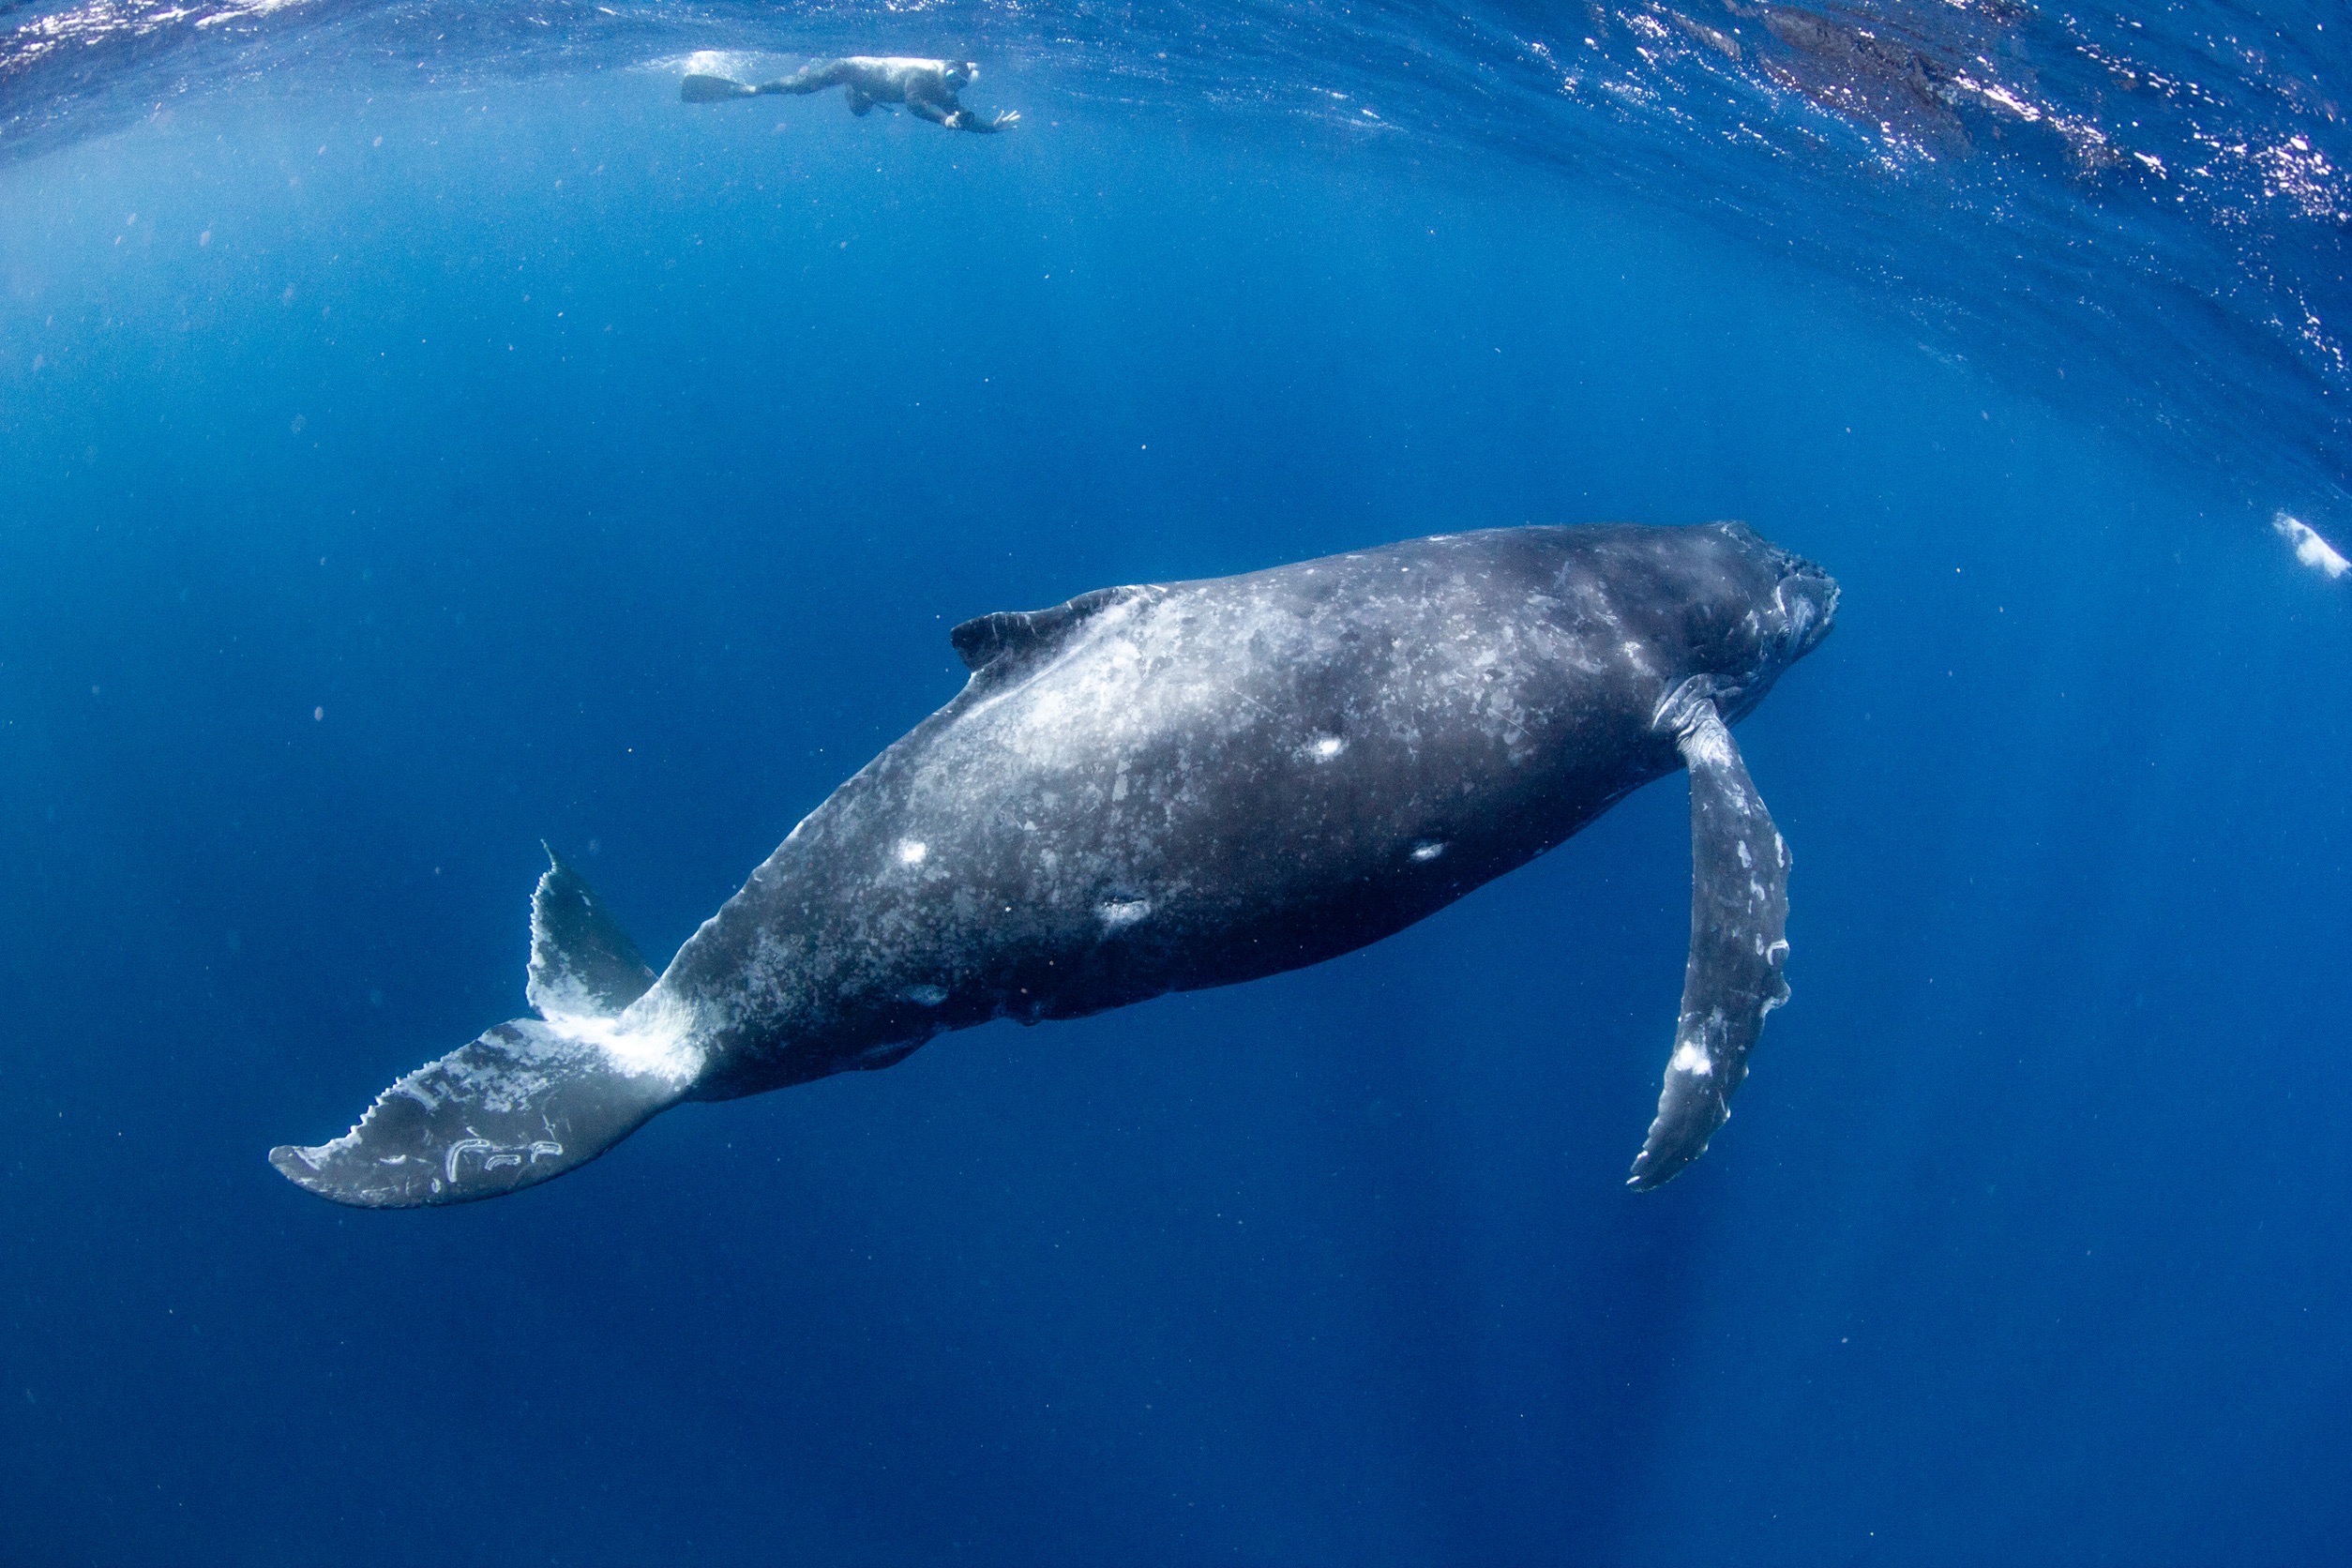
(582, 964)
(1009, 636)
(1738, 924)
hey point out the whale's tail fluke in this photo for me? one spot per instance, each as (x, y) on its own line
(530, 1100)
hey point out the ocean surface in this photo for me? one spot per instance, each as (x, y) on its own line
(422, 435)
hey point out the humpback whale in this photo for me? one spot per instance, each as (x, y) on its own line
(1163, 788)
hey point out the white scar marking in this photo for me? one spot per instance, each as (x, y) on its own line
(2310, 549)
(1117, 914)
(1689, 1058)
(911, 850)
(1327, 747)
(1428, 849)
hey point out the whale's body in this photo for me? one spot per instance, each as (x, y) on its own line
(1165, 788)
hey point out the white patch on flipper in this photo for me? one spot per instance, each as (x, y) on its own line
(1708, 743)
(1117, 914)
(2310, 549)
(911, 851)
(1747, 861)
(1689, 1057)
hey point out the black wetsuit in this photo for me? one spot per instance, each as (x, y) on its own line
(926, 87)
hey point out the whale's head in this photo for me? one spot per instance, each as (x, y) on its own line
(1749, 609)
(960, 74)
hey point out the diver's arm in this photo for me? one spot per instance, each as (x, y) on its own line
(932, 111)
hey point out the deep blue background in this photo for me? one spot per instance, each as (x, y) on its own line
(563, 464)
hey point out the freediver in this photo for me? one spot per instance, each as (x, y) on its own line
(926, 87)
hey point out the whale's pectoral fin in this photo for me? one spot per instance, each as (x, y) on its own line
(1738, 915)
(523, 1104)
(582, 964)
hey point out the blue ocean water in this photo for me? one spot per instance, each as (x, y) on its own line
(421, 435)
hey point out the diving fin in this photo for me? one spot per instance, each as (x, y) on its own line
(529, 1100)
(713, 89)
(1738, 924)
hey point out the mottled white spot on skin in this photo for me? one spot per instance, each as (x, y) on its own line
(1707, 745)
(1428, 850)
(1635, 655)
(1689, 1058)
(1117, 914)
(2310, 549)
(911, 850)
(1798, 617)
(926, 996)
(1746, 860)
(654, 1035)
(1324, 748)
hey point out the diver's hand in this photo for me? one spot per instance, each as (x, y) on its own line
(964, 119)
(1006, 120)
